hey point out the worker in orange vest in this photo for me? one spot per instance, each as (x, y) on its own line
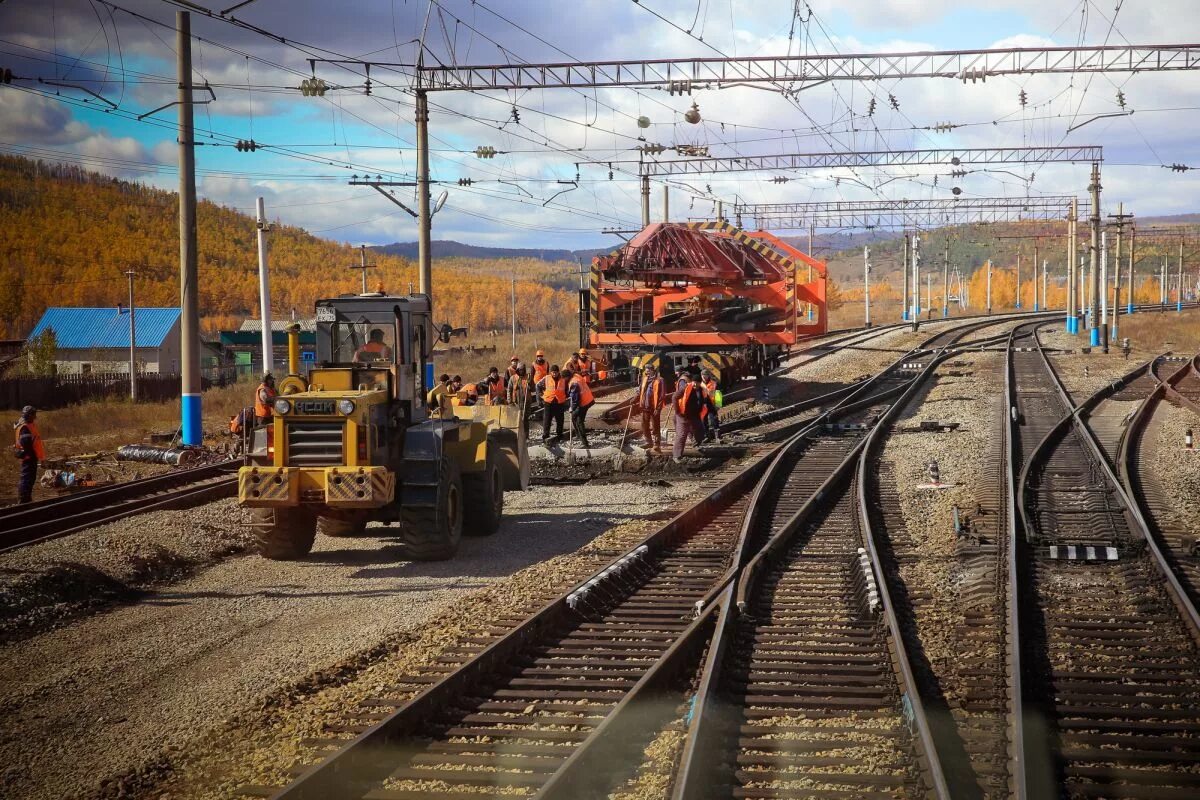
(541, 367)
(552, 388)
(580, 399)
(515, 380)
(375, 349)
(651, 398)
(495, 387)
(688, 402)
(27, 446)
(711, 414)
(585, 367)
(264, 400)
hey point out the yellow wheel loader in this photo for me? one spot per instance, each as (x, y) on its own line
(354, 441)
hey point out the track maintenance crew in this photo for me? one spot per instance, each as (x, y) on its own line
(495, 387)
(514, 380)
(711, 413)
(585, 367)
(580, 400)
(553, 390)
(28, 447)
(264, 400)
(651, 398)
(541, 367)
(439, 396)
(688, 401)
(374, 349)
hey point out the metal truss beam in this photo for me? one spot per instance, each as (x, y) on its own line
(904, 213)
(685, 74)
(872, 158)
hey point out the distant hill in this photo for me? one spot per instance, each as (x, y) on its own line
(448, 248)
(68, 235)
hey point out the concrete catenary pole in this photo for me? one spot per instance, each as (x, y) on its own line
(189, 311)
(1132, 290)
(812, 233)
(646, 202)
(904, 269)
(1045, 298)
(1036, 255)
(424, 214)
(866, 286)
(916, 279)
(1116, 306)
(1104, 282)
(1098, 336)
(989, 286)
(264, 289)
(1179, 288)
(666, 203)
(1018, 306)
(132, 342)
(946, 280)
(1072, 263)
(1162, 285)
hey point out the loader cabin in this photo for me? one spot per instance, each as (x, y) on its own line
(374, 342)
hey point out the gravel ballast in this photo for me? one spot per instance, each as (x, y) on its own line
(213, 681)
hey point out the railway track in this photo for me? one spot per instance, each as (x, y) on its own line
(547, 706)
(27, 524)
(1103, 676)
(1164, 518)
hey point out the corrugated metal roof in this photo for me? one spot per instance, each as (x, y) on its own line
(254, 324)
(84, 328)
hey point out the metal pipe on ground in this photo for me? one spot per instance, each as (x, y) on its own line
(150, 454)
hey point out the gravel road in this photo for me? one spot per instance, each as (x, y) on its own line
(228, 664)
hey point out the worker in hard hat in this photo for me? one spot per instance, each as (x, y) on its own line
(264, 400)
(28, 447)
(584, 366)
(710, 414)
(541, 367)
(515, 381)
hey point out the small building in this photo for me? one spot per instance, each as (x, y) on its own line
(89, 340)
(244, 347)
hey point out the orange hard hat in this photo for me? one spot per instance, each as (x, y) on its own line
(583, 351)
(514, 358)
(539, 353)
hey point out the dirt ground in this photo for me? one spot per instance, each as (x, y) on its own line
(190, 666)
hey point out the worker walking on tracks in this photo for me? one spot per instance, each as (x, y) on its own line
(689, 401)
(29, 449)
(580, 400)
(264, 400)
(651, 398)
(552, 388)
(541, 367)
(711, 413)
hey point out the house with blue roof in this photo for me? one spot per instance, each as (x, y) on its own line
(92, 340)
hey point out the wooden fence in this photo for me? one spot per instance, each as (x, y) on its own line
(59, 391)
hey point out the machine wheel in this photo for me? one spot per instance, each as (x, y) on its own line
(483, 493)
(284, 534)
(513, 458)
(346, 523)
(432, 533)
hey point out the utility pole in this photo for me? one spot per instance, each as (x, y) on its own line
(132, 340)
(946, 280)
(1072, 263)
(514, 312)
(666, 203)
(928, 294)
(646, 203)
(1120, 217)
(904, 269)
(264, 289)
(1037, 251)
(916, 278)
(364, 266)
(866, 286)
(189, 283)
(1162, 286)
(1018, 306)
(989, 286)
(1179, 295)
(1104, 282)
(1099, 335)
(1132, 288)
(424, 213)
(1045, 298)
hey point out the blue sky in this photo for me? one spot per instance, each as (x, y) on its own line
(565, 139)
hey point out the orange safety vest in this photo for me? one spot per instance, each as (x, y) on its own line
(495, 390)
(540, 371)
(379, 348)
(585, 394)
(554, 391)
(264, 409)
(682, 404)
(39, 449)
(658, 385)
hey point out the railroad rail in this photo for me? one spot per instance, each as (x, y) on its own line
(27, 524)
(1163, 514)
(1104, 641)
(540, 707)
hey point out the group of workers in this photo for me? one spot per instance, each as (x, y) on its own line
(695, 401)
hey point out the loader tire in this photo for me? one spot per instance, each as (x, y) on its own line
(344, 524)
(284, 534)
(432, 533)
(483, 493)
